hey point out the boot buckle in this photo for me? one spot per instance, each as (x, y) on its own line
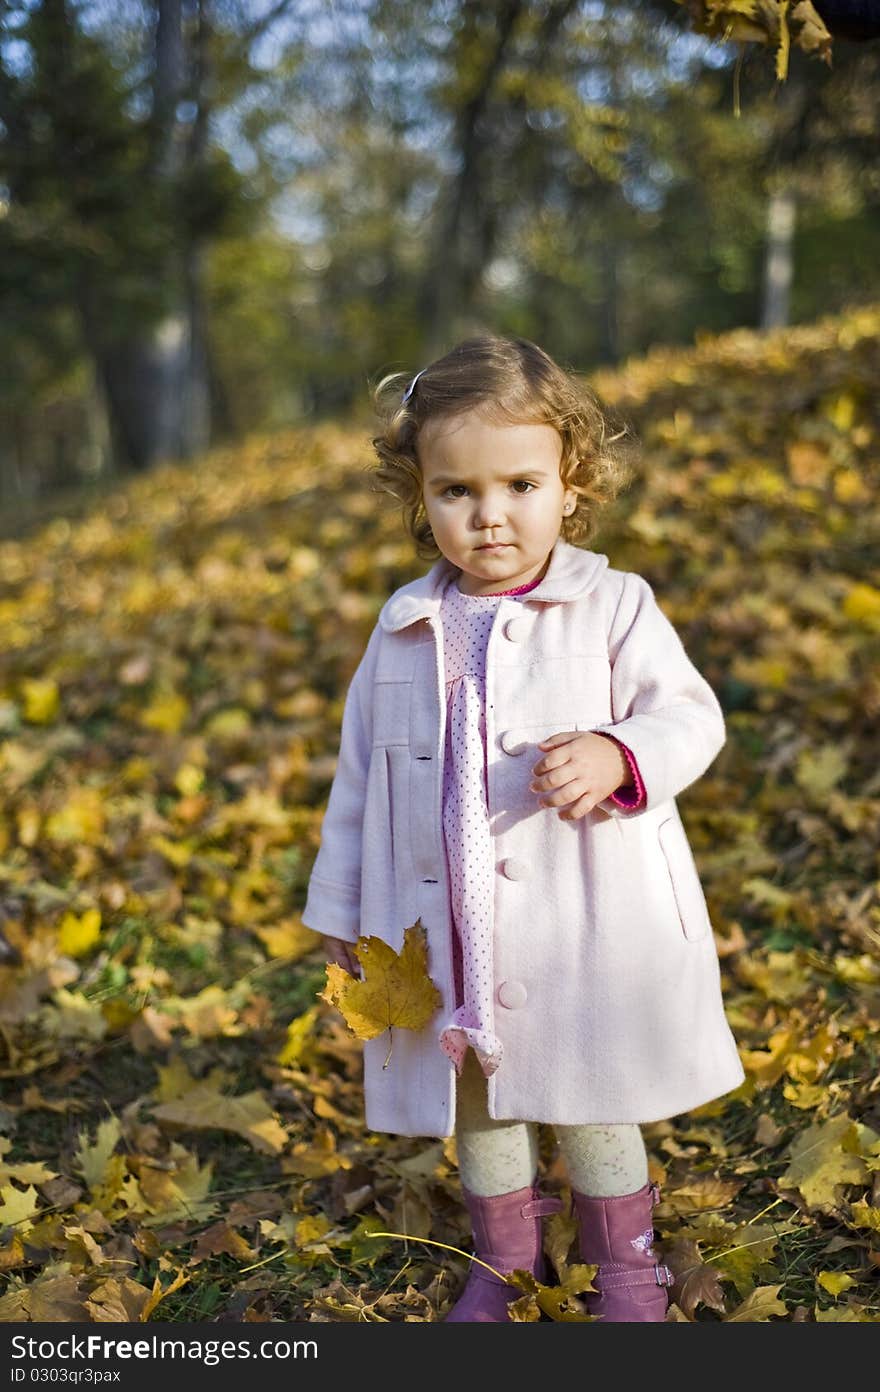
(541, 1207)
(663, 1275)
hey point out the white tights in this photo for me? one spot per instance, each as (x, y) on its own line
(495, 1157)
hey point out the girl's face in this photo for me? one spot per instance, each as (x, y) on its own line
(484, 482)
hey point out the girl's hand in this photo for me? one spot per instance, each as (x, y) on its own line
(578, 770)
(341, 952)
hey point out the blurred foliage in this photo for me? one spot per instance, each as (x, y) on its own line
(181, 1106)
(338, 201)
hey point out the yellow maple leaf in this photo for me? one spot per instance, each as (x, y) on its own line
(175, 1079)
(843, 1314)
(71, 1015)
(702, 1192)
(189, 779)
(820, 768)
(820, 1162)
(249, 1115)
(834, 1282)
(289, 939)
(805, 1096)
(299, 1032)
(315, 1158)
(862, 605)
(560, 1303)
(749, 1247)
(42, 701)
(767, 1066)
(174, 1196)
(27, 1171)
(77, 935)
(759, 1305)
(166, 713)
(396, 990)
(80, 819)
(207, 1015)
(92, 1159)
(864, 1215)
(17, 1206)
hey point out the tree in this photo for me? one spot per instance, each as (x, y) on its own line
(113, 191)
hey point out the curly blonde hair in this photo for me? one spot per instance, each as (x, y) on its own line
(516, 381)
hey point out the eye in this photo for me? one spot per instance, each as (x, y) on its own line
(525, 481)
(448, 490)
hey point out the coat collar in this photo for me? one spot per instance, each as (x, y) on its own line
(572, 573)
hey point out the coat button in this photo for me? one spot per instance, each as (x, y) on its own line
(516, 629)
(514, 869)
(512, 742)
(512, 995)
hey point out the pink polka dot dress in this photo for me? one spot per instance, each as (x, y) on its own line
(466, 622)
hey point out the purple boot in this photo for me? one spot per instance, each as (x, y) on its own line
(507, 1235)
(616, 1234)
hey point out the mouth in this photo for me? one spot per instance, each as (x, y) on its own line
(493, 546)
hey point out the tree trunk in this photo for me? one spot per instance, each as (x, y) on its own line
(156, 382)
(454, 252)
(778, 258)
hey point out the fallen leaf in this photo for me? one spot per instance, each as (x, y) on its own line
(748, 1249)
(865, 1215)
(701, 1193)
(395, 990)
(203, 1108)
(51, 1298)
(76, 936)
(760, 1305)
(835, 1282)
(91, 1159)
(160, 1292)
(220, 1237)
(12, 1254)
(819, 1165)
(298, 1034)
(696, 1283)
(17, 1206)
(560, 1303)
(291, 940)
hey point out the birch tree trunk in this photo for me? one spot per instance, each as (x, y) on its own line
(778, 258)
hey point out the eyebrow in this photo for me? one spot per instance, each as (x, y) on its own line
(523, 473)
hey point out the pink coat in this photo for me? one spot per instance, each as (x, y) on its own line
(608, 982)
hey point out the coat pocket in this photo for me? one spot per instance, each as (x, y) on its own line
(391, 712)
(685, 879)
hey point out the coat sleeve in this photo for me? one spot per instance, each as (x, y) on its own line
(334, 892)
(631, 796)
(665, 712)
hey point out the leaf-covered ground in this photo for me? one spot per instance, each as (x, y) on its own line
(181, 1130)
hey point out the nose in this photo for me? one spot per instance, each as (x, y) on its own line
(488, 513)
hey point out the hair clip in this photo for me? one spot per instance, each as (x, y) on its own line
(409, 391)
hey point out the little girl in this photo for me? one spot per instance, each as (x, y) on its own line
(512, 745)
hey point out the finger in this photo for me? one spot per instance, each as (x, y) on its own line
(553, 743)
(560, 796)
(578, 808)
(553, 777)
(343, 957)
(339, 952)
